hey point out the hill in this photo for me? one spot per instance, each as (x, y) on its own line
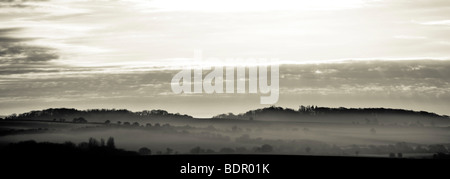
(303, 114)
(95, 115)
(341, 114)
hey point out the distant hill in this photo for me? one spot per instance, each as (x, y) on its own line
(378, 116)
(352, 115)
(95, 115)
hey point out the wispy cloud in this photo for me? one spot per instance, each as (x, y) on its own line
(441, 22)
(410, 37)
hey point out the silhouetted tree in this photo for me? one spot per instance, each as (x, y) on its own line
(441, 156)
(107, 122)
(437, 148)
(420, 149)
(93, 142)
(226, 150)
(307, 149)
(159, 112)
(241, 150)
(83, 145)
(266, 148)
(56, 149)
(197, 150)
(110, 143)
(71, 144)
(169, 151)
(79, 120)
(145, 151)
(102, 142)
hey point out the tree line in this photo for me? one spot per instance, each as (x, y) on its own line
(61, 114)
(91, 147)
(311, 111)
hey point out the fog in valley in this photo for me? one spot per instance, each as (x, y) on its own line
(307, 131)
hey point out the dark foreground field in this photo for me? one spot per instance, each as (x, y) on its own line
(297, 166)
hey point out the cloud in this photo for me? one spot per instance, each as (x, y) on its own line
(441, 22)
(26, 54)
(12, 39)
(9, 30)
(6, 35)
(18, 3)
(21, 1)
(17, 57)
(14, 50)
(425, 82)
(408, 37)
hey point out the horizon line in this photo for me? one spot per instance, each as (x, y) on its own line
(411, 110)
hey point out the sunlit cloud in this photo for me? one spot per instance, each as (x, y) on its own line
(253, 5)
(410, 37)
(441, 22)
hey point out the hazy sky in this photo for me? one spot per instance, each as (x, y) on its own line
(122, 54)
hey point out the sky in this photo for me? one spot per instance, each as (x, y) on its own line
(123, 54)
